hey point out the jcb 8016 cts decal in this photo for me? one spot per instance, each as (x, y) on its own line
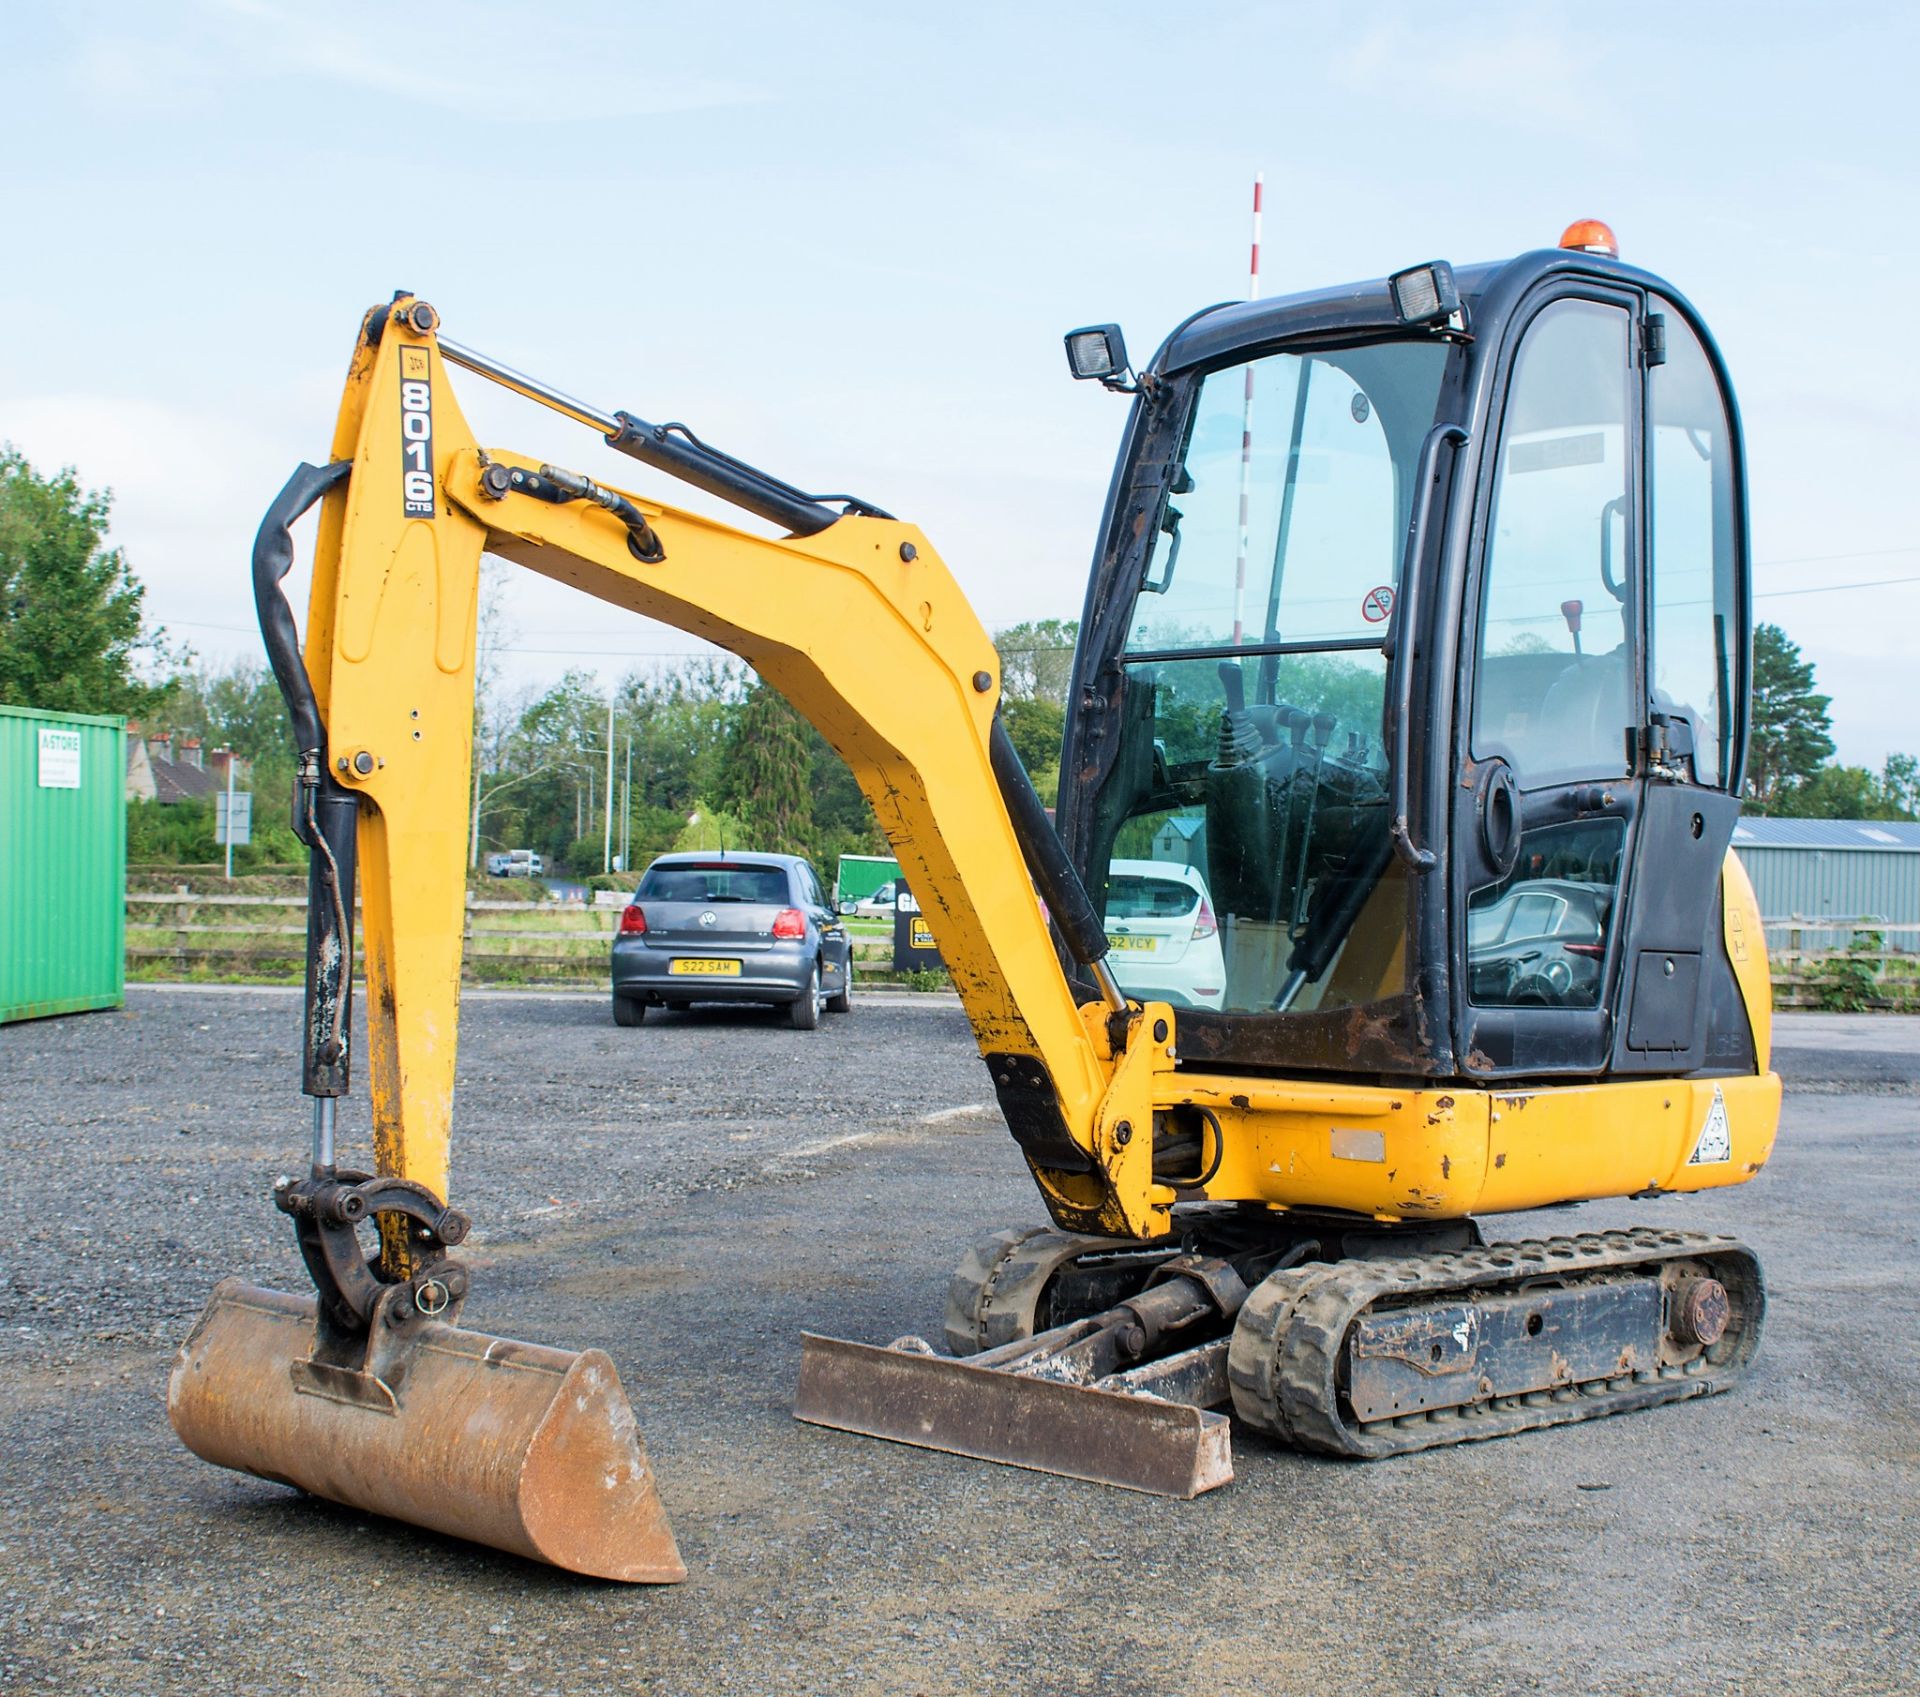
(416, 434)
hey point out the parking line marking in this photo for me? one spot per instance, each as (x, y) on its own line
(825, 1143)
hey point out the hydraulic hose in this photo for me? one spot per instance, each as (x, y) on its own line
(325, 815)
(1068, 904)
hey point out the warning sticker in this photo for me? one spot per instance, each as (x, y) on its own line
(1377, 604)
(1715, 1142)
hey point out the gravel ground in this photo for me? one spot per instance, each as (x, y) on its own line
(690, 1195)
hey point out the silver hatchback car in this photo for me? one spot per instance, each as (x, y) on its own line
(731, 927)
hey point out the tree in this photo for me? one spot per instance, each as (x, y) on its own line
(843, 823)
(681, 725)
(706, 829)
(1900, 783)
(1791, 729)
(239, 707)
(767, 774)
(1035, 727)
(1036, 660)
(551, 773)
(71, 628)
(1853, 792)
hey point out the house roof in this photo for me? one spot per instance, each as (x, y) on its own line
(175, 780)
(1885, 835)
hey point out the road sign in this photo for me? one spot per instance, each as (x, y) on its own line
(232, 817)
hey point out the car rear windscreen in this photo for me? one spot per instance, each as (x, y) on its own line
(1132, 897)
(766, 884)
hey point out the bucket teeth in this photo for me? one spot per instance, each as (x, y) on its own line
(528, 1449)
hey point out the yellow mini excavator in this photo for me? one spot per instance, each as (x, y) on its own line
(1390, 887)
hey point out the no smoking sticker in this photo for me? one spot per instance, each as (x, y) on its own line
(1715, 1142)
(1378, 604)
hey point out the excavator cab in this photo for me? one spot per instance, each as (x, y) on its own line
(1414, 681)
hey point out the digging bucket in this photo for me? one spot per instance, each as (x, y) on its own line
(527, 1449)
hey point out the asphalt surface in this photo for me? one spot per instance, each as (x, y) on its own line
(690, 1195)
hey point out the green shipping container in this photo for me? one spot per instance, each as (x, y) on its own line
(63, 863)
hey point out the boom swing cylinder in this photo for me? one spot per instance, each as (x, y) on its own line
(1260, 1179)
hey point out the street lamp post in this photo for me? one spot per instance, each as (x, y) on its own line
(606, 844)
(626, 812)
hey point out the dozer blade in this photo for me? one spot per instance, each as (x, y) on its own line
(528, 1449)
(939, 1402)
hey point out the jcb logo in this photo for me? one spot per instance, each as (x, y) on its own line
(416, 434)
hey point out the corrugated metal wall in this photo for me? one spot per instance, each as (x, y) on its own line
(1813, 883)
(63, 862)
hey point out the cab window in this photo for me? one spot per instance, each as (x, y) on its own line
(1241, 853)
(1694, 619)
(1554, 692)
(1538, 938)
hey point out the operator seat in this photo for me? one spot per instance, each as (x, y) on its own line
(1585, 713)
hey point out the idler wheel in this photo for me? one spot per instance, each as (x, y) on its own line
(1700, 1311)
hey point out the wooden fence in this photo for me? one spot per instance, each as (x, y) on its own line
(190, 935)
(1869, 974)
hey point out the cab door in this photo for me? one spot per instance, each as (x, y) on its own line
(1547, 793)
(1680, 1006)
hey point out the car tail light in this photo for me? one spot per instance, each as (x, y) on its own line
(789, 922)
(1205, 925)
(633, 921)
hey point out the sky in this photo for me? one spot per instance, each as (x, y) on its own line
(843, 241)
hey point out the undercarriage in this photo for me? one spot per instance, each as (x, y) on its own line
(1120, 1362)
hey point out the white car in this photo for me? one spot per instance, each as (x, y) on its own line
(878, 905)
(1162, 937)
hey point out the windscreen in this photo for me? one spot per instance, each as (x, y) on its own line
(1253, 760)
(730, 883)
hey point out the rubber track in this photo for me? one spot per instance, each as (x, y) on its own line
(1284, 1361)
(994, 1291)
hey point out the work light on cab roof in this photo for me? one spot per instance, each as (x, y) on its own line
(1098, 351)
(1425, 294)
(1589, 235)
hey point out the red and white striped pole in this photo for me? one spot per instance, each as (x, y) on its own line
(1246, 436)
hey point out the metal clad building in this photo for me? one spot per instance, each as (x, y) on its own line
(1815, 869)
(63, 862)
